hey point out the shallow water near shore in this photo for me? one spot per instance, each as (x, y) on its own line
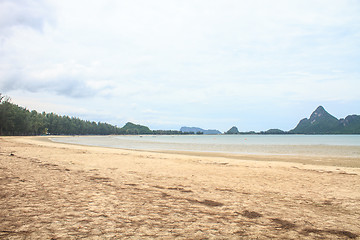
(323, 145)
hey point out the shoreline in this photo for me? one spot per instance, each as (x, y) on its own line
(308, 158)
(61, 191)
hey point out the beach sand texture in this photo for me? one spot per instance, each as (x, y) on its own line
(60, 191)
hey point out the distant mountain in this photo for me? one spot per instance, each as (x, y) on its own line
(321, 122)
(233, 130)
(131, 128)
(199, 130)
(273, 131)
(351, 124)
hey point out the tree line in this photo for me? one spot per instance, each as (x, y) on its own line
(19, 121)
(16, 120)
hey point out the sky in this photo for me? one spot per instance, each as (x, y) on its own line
(171, 63)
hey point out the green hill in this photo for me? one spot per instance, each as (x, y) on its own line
(321, 122)
(351, 124)
(273, 131)
(233, 130)
(131, 128)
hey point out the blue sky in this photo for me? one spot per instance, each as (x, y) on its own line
(170, 63)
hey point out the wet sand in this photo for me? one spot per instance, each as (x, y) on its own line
(60, 191)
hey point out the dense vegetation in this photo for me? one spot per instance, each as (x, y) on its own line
(16, 120)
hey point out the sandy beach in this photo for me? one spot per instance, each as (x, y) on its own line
(53, 190)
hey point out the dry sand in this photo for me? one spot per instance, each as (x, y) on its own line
(60, 191)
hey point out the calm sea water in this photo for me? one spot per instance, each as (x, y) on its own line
(334, 145)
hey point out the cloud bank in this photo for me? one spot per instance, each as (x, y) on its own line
(170, 63)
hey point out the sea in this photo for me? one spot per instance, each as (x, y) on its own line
(324, 145)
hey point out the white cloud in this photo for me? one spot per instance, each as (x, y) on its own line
(197, 57)
(24, 13)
